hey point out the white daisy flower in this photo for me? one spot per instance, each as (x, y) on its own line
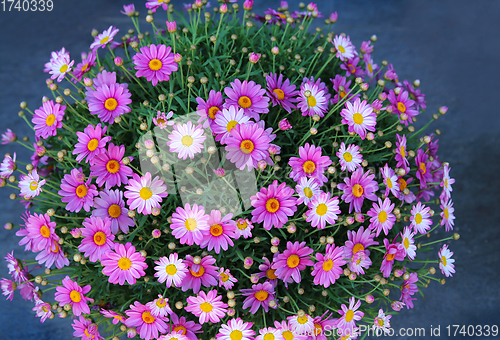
(59, 67)
(244, 228)
(269, 333)
(382, 322)
(345, 49)
(445, 261)
(349, 158)
(159, 307)
(31, 185)
(171, 269)
(104, 38)
(323, 209)
(301, 324)
(186, 140)
(409, 243)
(307, 189)
(236, 329)
(419, 218)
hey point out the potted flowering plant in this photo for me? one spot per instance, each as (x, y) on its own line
(230, 174)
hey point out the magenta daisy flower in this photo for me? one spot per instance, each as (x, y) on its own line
(447, 215)
(226, 121)
(347, 323)
(171, 269)
(31, 184)
(77, 192)
(226, 279)
(8, 166)
(390, 180)
(322, 209)
(313, 99)
(341, 86)
(445, 261)
(446, 184)
(53, 255)
(73, 294)
(405, 195)
(310, 164)
(162, 120)
(307, 189)
(409, 243)
(109, 101)
(8, 137)
(85, 329)
(16, 270)
(345, 48)
(221, 232)
(8, 289)
(267, 272)
(104, 38)
(188, 225)
(328, 268)
(248, 96)
(148, 326)
(244, 228)
(258, 296)
(159, 306)
(281, 92)
(360, 186)
(109, 169)
(359, 116)
(294, 259)
(370, 66)
(420, 218)
(43, 310)
(48, 118)
(247, 145)
(357, 242)
(113, 315)
(203, 273)
(273, 205)
(155, 4)
(208, 307)
(401, 153)
(408, 288)
(144, 193)
(97, 238)
(208, 110)
(236, 329)
(382, 217)
(351, 67)
(323, 324)
(186, 140)
(187, 328)
(403, 106)
(424, 175)
(109, 205)
(349, 158)
(395, 252)
(82, 68)
(91, 142)
(155, 62)
(123, 264)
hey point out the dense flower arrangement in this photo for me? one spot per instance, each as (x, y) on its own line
(230, 176)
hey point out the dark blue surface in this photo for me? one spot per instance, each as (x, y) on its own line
(451, 46)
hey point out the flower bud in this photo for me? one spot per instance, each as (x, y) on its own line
(247, 5)
(223, 9)
(118, 61)
(171, 26)
(177, 58)
(254, 57)
(333, 17)
(88, 82)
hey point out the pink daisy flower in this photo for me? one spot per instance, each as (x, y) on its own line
(360, 186)
(323, 209)
(123, 264)
(328, 268)
(8, 289)
(403, 106)
(313, 99)
(382, 323)
(208, 307)
(173, 336)
(447, 215)
(162, 120)
(273, 205)
(301, 324)
(269, 333)
(323, 324)
(144, 193)
(155, 62)
(345, 49)
(59, 65)
(186, 140)
(187, 328)
(31, 184)
(247, 145)
(77, 192)
(390, 180)
(446, 184)
(91, 142)
(408, 288)
(43, 310)
(97, 238)
(109, 205)
(370, 66)
(85, 329)
(203, 273)
(357, 242)
(285, 329)
(409, 243)
(16, 270)
(382, 217)
(341, 86)
(405, 195)
(109, 169)
(73, 294)
(349, 158)
(8, 137)
(8, 166)
(109, 101)
(248, 96)
(244, 228)
(420, 218)
(221, 232)
(307, 189)
(347, 323)
(53, 255)
(359, 116)
(226, 121)
(82, 68)
(310, 164)
(395, 251)
(148, 326)
(40, 232)
(258, 296)
(401, 153)
(117, 318)
(159, 307)
(104, 38)
(226, 279)
(210, 109)
(172, 270)
(445, 261)
(424, 175)
(293, 260)
(188, 225)
(281, 92)
(351, 67)
(155, 4)
(236, 329)
(48, 118)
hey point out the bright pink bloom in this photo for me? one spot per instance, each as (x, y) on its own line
(155, 62)
(8, 137)
(162, 120)
(208, 110)
(91, 142)
(171, 26)
(341, 86)
(48, 118)
(328, 268)
(310, 164)
(85, 329)
(188, 225)
(409, 243)
(446, 184)
(208, 307)
(355, 248)
(82, 68)
(347, 323)
(115, 316)
(159, 306)
(313, 98)
(236, 328)
(109, 169)
(403, 106)
(77, 192)
(8, 288)
(254, 57)
(59, 65)
(109, 205)
(123, 264)
(445, 261)
(382, 217)
(155, 4)
(390, 180)
(408, 288)
(359, 116)
(148, 326)
(268, 273)
(97, 238)
(73, 294)
(8, 166)
(292, 261)
(104, 38)
(345, 48)
(401, 153)
(226, 120)
(424, 175)
(281, 92)
(40, 231)
(221, 232)
(395, 251)
(204, 273)
(248, 96)
(360, 186)
(284, 124)
(188, 328)
(144, 193)
(258, 296)
(43, 310)
(226, 279)
(128, 10)
(109, 101)
(31, 184)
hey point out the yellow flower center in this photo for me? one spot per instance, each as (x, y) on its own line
(357, 190)
(293, 261)
(349, 316)
(302, 320)
(269, 336)
(406, 243)
(145, 193)
(380, 322)
(423, 169)
(443, 259)
(44, 231)
(236, 335)
(318, 329)
(213, 111)
(402, 184)
(401, 107)
(309, 167)
(311, 101)
(34, 185)
(114, 210)
(341, 49)
(247, 146)
(270, 273)
(358, 118)
(50, 120)
(99, 238)
(63, 68)
(389, 183)
(199, 273)
(45, 309)
(216, 230)
(402, 151)
(104, 40)
(161, 303)
(418, 218)
(343, 94)
(224, 277)
(110, 104)
(347, 156)
(327, 265)
(206, 307)
(230, 125)
(181, 329)
(351, 68)
(446, 182)
(244, 102)
(147, 317)
(446, 213)
(187, 140)
(56, 248)
(370, 68)
(155, 64)
(357, 248)
(261, 295)
(272, 205)
(308, 192)
(288, 335)
(81, 191)
(75, 296)
(279, 94)
(242, 225)
(321, 209)
(92, 144)
(124, 263)
(382, 216)
(113, 166)
(391, 257)
(160, 121)
(171, 269)
(85, 67)
(191, 224)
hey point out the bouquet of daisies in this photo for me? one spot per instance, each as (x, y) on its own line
(227, 175)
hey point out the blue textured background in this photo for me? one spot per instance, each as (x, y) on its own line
(451, 46)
